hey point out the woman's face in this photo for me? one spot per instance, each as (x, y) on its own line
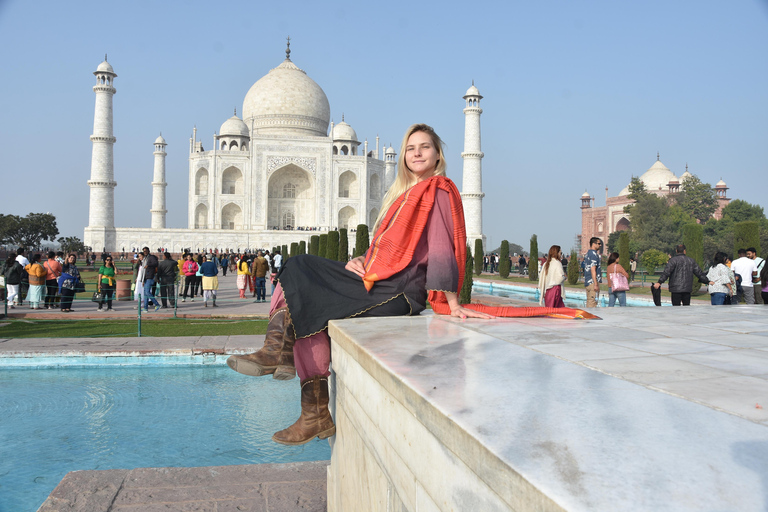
(71, 259)
(421, 156)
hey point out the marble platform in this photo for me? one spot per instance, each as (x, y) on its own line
(647, 409)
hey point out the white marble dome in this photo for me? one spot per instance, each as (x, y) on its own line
(472, 91)
(343, 131)
(234, 126)
(655, 178)
(390, 151)
(287, 102)
(720, 184)
(105, 67)
(160, 140)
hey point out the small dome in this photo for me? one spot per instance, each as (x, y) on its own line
(585, 194)
(686, 174)
(105, 67)
(343, 131)
(234, 126)
(390, 151)
(472, 91)
(721, 184)
(160, 140)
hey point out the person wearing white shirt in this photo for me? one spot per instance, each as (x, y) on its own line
(747, 269)
(759, 263)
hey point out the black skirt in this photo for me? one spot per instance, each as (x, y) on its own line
(318, 289)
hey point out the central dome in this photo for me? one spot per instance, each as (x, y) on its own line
(287, 102)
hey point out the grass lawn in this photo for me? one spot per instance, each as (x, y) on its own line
(125, 328)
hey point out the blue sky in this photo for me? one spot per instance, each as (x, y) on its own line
(577, 95)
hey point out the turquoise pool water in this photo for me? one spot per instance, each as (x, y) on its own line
(60, 419)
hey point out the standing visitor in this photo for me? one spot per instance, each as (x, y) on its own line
(138, 279)
(189, 269)
(613, 271)
(593, 274)
(36, 275)
(106, 283)
(53, 271)
(12, 273)
(760, 264)
(722, 280)
(260, 269)
(210, 282)
(680, 270)
(224, 264)
(551, 280)
(747, 270)
(24, 286)
(150, 276)
(199, 276)
(167, 270)
(632, 268)
(277, 263)
(68, 281)
(243, 274)
(428, 222)
(764, 283)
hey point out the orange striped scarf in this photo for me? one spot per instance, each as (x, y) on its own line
(394, 245)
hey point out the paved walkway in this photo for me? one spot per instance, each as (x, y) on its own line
(264, 488)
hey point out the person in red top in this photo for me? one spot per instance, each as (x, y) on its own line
(53, 269)
(189, 269)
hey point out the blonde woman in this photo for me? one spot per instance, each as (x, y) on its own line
(417, 233)
(552, 279)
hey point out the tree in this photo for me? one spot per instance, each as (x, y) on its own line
(533, 259)
(465, 295)
(573, 268)
(71, 244)
(479, 256)
(322, 245)
(653, 258)
(697, 199)
(361, 240)
(746, 234)
(343, 245)
(624, 250)
(504, 260)
(314, 242)
(636, 189)
(332, 246)
(303, 247)
(739, 211)
(284, 252)
(28, 231)
(294, 249)
(656, 224)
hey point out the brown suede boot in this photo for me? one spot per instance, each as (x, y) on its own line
(315, 419)
(276, 356)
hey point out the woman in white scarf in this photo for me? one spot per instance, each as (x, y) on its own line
(551, 279)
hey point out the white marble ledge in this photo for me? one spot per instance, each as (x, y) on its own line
(586, 440)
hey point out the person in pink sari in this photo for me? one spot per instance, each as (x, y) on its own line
(551, 279)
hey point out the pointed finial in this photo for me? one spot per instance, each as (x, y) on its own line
(288, 49)
(235, 111)
(105, 56)
(342, 117)
(473, 81)
(686, 166)
(657, 156)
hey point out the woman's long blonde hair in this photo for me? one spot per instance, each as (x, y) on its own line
(405, 179)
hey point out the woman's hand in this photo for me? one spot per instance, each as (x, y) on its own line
(356, 266)
(461, 312)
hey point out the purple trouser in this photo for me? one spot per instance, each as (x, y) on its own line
(311, 355)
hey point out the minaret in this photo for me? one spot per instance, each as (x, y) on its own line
(158, 210)
(390, 167)
(100, 233)
(472, 185)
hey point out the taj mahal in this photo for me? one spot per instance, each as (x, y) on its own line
(279, 174)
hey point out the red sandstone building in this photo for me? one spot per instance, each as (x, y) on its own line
(604, 220)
